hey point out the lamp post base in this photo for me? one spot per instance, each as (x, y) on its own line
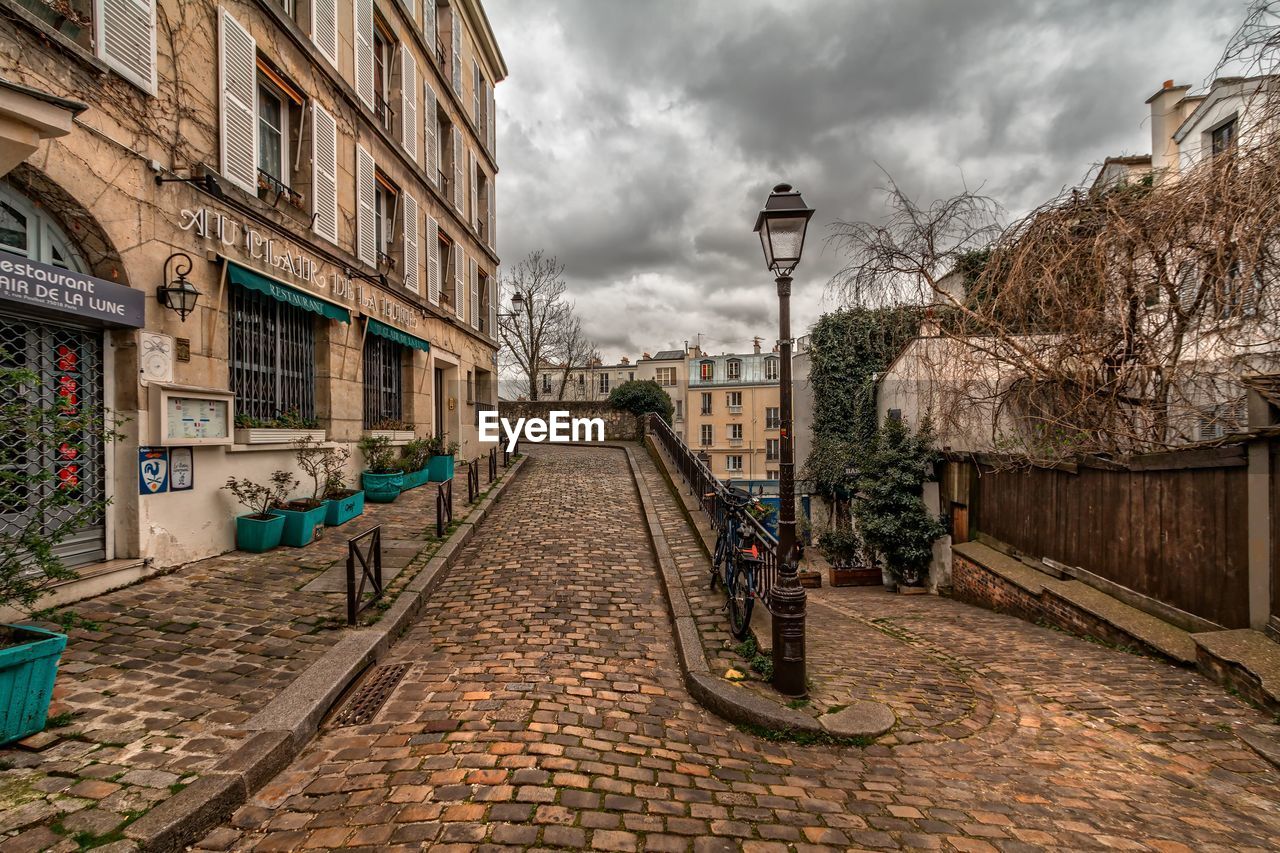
(789, 599)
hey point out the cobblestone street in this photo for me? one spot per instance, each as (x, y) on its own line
(543, 707)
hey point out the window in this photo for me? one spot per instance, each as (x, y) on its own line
(273, 130)
(771, 369)
(124, 33)
(679, 410)
(26, 230)
(734, 401)
(1223, 137)
(546, 383)
(631, 375)
(1217, 421)
(707, 370)
(772, 449)
(666, 376)
(706, 402)
(482, 283)
(771, 418)
(771, 474)
(383, 53)
(383, 381)
(279, 121)
(385, 196)
(735, 432)
(706, 435)
(603, 383)
(272, 355)
(733, 464)
(733, 368)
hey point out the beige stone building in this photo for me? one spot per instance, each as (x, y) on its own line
(670, 369)
(732, 413)
(322, 173)
(590, 383)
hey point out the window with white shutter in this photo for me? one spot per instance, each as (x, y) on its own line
(363, 20)
(492, 284)
(411, 262)
(324, 172)
(366, 222)
(493, 212)
(455, 27)
(324, 28)
(126, 38)
(459, 285)
(457, 169)
(474, 283)
(429, 128)
(474, 213)
(432, 238)
(491, 118)
(238, 81)
(409, 102)
(477, 95)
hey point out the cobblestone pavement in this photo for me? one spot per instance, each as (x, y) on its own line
(176, 663)
(543, 707)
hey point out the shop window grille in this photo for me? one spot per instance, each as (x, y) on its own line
(273, 357)
(383, 380)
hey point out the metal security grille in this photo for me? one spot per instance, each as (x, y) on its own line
(383, 380)
(68, 364)
(273, 356)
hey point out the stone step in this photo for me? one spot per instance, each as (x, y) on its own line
(1167, 639)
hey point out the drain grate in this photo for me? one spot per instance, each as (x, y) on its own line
(371, 695)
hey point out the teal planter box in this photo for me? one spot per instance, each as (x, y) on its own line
(382, 488)
(342, 510)
(256, 534)
(441, 469)
(300, 524)
(413, 479)
(27, 672)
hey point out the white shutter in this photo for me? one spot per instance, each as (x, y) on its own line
(477, 94)
(238, 83)
(429, 128)
(492, 124)
(366, 235)
(429, 24)
(455, 26)
(411, 262)
(363, 12)
(473, 276)
(474, 213)
(493, 212)
(324, 172)
(457, 169)
(409, 102)
(433, 260)
(126, 36)
(459, 291)
(492, 284)
(324, 28)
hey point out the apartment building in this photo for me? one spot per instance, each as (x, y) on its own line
(592, 382)
(669, 368)
(318, 177)
(732, 413)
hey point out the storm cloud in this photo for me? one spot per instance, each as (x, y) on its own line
(637, 140)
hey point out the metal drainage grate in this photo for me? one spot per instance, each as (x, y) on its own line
(370, 696)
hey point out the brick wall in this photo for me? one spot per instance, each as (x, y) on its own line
(974, 584)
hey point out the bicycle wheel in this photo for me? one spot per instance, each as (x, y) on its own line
(717, 559)
(741, 600)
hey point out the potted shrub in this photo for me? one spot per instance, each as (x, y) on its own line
(850, 564)
(442, 460)
(384, 479)
(398, 431)
(29, 565)
(345, 503)
(259, 530)
(416, 462)
(303, 515)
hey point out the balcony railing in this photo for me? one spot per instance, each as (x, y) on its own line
(383, 109)
(735, 410)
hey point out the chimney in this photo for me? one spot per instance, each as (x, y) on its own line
(1166, 116)
(646, 355)
(755, 342)
(624, 360)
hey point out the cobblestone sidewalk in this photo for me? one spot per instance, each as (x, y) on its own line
(154, 695)
(543, 707)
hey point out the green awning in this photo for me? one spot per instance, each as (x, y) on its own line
(393, 334)
(247, 278)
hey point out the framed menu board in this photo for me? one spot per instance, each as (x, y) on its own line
(185, 416)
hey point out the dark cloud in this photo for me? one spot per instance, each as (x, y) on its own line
(637, 140)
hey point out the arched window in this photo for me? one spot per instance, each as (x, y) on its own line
(28, 231)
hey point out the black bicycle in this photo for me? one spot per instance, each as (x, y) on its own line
(737, 559)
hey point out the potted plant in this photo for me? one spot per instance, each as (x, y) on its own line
(850, 564)
(396, 430)
(384, 478)
(303, 515)
(345, 503)
(416, 461)
(260, 530)
(442, 460)
(52, 506)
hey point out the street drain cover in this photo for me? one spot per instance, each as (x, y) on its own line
(371, 695)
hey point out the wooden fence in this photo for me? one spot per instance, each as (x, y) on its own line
(1170, 526)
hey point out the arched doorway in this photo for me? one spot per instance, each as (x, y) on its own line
(66, 358)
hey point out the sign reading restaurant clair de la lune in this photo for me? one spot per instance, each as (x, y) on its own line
(293, 265)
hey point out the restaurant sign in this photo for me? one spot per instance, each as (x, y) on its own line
(52, 289)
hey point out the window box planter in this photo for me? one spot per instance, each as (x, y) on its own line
(257, 534)
(274, 435)
(344, 508)
(413, 479)
(396, 436)
(300, 522)
(382, 488)
(28, 668)
(441, 469)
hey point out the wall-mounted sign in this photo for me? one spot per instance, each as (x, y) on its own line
(53, 289)
(182, 469)
(184, 415)
(153, 470)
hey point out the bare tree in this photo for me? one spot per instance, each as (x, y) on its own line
(574, 350)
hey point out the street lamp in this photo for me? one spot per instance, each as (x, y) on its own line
(781, 226)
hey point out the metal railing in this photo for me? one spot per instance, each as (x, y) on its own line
(370, 560)
(493, 464)
(473, 480)
(444, 507)
(710, 493)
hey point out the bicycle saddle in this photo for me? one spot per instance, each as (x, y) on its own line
(736, 498)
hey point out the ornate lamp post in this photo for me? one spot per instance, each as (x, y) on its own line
(781, 226)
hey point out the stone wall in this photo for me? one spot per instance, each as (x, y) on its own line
(618, 425)
(975, 584)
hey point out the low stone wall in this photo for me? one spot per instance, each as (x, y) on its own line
(618, 425)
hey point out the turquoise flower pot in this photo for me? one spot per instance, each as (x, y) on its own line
(413, 479)
(382, 488)
(258, 534)
(441, 469)
(342, 510)
(300, 524)
(27, 673)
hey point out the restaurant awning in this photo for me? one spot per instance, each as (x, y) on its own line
(252, 280)
(393, 334)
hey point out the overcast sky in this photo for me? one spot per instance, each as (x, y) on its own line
(637, 140)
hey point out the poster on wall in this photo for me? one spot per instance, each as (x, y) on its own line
(182, 469)
(153, 470)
